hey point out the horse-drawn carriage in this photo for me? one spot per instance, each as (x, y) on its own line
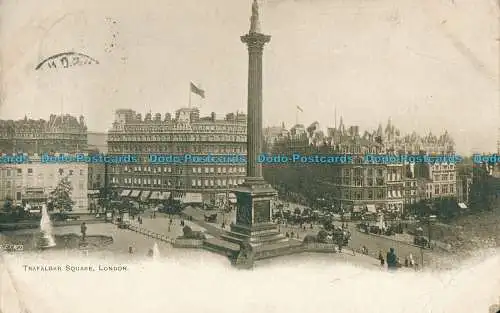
(211, 218)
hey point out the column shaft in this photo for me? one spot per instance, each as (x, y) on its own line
(254, 126)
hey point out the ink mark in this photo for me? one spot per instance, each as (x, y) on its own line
(66, 60)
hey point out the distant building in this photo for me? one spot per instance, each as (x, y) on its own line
(97, 143)
(32, 182)
(272, 135)
(363, 185)
(60, 134)
(355, 186)
(186, 133)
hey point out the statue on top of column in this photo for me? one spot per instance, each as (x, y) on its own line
(254, 19)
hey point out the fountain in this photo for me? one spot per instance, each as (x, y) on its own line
(46, 239)
(154, 253)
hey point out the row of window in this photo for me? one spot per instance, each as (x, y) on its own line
(41, 183)
(444, 189)
(148, 147)
(359, 182)
(179, 138)
(30, 172)
(216, 182)
(194, 182)
(444, 177)
(168, 169)
(437, 167)
(221, 128)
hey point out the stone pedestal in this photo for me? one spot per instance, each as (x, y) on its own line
(254, 227)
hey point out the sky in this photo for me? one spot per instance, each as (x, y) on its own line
(430, 65)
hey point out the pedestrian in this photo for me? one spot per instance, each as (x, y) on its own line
(130, 250)
(287, 235)
(411, 260)
(392, 259)
(407, 262)
(381, 258)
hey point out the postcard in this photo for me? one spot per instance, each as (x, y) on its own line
(270, 156)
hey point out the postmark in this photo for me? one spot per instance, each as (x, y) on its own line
(66, 60)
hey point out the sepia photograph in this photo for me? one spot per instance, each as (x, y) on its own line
(271, 156)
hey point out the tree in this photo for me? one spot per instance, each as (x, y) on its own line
(60, 197)
(7, 205)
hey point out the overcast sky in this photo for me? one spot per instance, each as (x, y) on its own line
(428, 64)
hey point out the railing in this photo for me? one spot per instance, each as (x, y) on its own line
(151, 234)
(323, 247)
(188, 243)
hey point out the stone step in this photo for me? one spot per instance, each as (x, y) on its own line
(221, 247)
(272, 251)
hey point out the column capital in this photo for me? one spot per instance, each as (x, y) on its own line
(255, 40)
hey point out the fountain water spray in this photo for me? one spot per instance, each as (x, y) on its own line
(46, 238)
(155, 252)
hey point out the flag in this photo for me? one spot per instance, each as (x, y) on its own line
(198, 91)
(300, 109)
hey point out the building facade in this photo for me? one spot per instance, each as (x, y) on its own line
(32, 182)
(186, 133)
(97, 143)
(59, 134)
(356, 185)
(361, 185)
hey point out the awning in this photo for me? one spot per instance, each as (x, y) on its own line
(192, 197)
(155, 195)
(462, 205)
(135, 193)
(34, 196)
(371, 208)
(145, 194)
(176, 195)
(165, 195)
(356, 208)
(93, 192)
(125, 193)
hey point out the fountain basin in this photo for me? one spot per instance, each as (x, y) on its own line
(31, 242)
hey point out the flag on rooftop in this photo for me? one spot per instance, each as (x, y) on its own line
(200, 92)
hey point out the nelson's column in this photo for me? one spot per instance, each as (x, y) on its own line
(254, 227)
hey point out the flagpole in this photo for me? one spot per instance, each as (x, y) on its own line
(189, 105)
(335, 117)
(296, 116)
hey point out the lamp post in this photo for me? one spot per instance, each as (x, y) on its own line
(429, 220)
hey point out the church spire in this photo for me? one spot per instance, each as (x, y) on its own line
(254, 19)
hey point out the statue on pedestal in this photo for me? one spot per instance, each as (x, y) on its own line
(254, 19)
(245, 257)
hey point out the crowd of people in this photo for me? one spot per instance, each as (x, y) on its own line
(394, 262)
